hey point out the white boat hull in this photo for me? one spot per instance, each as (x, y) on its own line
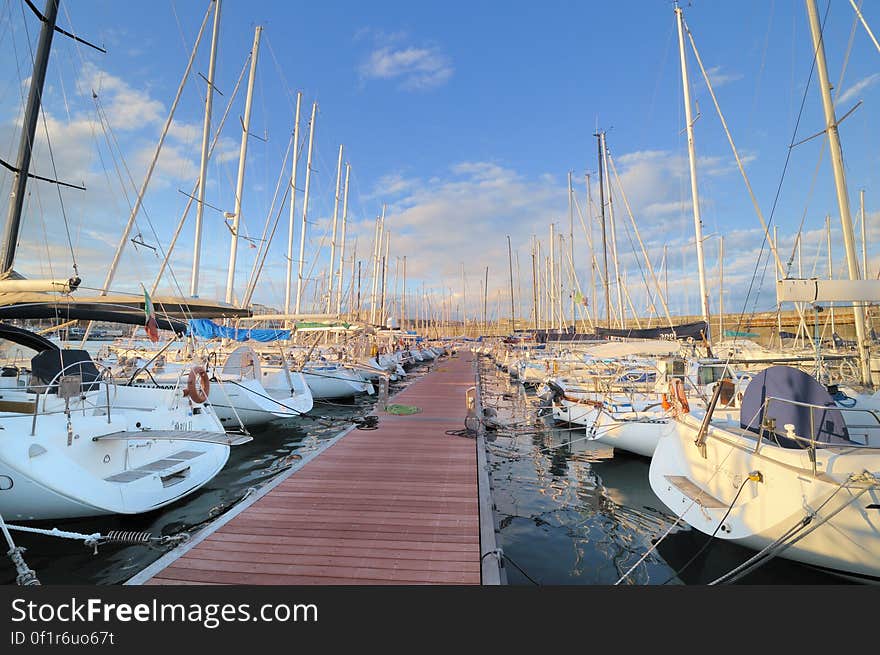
(335, 383)
(60, 474)
(634, 432)
(843, 535)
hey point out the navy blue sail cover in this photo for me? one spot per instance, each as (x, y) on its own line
(828, 426)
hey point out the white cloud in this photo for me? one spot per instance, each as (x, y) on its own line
(126, 108)
(858, 87)
(417, 68)
(719, 78)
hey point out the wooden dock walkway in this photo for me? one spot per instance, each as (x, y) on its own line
(394, 505)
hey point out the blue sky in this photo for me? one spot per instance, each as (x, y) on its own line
(464, 118)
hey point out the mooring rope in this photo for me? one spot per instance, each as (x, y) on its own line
(25, 575)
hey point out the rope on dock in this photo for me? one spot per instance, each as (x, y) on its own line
(502, 556)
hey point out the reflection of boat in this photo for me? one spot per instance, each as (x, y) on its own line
(625, 481)
(575, 442)
(694, 561)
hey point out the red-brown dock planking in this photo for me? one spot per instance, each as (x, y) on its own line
(394, 505)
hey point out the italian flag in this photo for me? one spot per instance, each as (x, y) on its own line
(152, 326)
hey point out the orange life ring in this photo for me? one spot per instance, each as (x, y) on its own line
(197, 393)
(664, 401)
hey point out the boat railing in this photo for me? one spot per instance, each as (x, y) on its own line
(70, 386)
(866, 429)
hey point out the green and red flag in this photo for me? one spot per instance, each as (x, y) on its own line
(151, 325)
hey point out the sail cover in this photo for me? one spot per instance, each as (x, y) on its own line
(694, 330)
(816, 416)
(208, 329)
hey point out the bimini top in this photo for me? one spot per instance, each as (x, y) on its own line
(26, 338)
(821, 421)
(87, 311)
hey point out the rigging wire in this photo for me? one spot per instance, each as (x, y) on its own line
(741, 317)
(837, 89)
(52, 160)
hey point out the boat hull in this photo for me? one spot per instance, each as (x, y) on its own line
(56, 472)
(714, 494)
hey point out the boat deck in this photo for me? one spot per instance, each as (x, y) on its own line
(398, 504)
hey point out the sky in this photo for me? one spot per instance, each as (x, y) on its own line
(463, 120)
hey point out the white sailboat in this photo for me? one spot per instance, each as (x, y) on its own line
(77, 444)
(795, 472)
(238, 391)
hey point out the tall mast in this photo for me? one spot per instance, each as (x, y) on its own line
(351, 284)
(382, 316)
(373, 258)
(25, 145)
(333, 237)
(395, 297)
(592, 250)
(403, 300)
(203, 166)
(302, 234)
(559, 268)
(721, 287)
(571, 243)
(291, 227)
(242, 156)
(538, 261)
(358, 315)
(548, 294)
(552, 298)
(600, 138)
(839, 183)
(621, 308)
(485, 301)
(342, 240)
(534, 289)
(377, 253)
(512, 307)
(111, 272)
(463, 312)
(864, 235)
(692, 158)
(830, 267)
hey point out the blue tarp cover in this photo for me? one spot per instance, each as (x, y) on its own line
(208, 329)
